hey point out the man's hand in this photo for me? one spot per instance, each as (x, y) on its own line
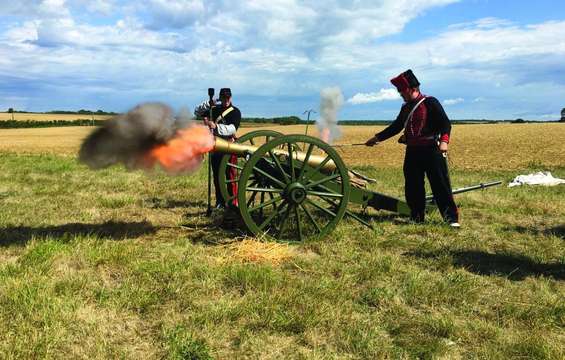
(372, 141)
(210, 124)
(443, 147)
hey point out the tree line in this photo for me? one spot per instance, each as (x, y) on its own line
(284, 120)
(78, 112)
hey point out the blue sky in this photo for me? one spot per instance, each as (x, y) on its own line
(480, 58)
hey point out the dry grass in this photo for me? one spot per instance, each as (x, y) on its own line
(254, 251)
(118, 264)
(50, 117)
(474, 147)
(55, 140)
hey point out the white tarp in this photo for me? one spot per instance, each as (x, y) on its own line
(539, 178)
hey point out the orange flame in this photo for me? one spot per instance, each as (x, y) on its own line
(184, 152)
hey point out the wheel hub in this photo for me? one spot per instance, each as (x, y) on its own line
(295, 193)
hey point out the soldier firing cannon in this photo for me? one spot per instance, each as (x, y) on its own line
(290, 187)
(296, 187)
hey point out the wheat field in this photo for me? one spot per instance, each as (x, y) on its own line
(473, 147)
(50, 117)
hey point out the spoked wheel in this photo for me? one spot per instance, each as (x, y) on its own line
(290, 195)
(254, 138)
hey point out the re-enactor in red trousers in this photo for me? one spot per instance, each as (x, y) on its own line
(426, 135)
(224, 123)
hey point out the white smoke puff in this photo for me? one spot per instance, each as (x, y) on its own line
(126, 138)
(331, 100)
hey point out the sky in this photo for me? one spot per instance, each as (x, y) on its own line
(482, 59)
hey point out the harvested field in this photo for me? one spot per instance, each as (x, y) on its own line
(50, 117)
(484, 146)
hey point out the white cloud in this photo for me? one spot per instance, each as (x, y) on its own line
(174, 13)
(104, 7)
(381, 95)
(484, 23)
(35, 8)
(455, 101)
(65, 32)
(277, 49)
(478, 45)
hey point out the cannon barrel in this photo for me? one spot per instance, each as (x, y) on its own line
(227, 147)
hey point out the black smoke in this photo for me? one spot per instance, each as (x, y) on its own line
(127, 138)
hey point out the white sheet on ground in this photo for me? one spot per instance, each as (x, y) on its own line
(539, 178)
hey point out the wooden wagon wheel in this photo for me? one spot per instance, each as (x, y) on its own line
(306, 197)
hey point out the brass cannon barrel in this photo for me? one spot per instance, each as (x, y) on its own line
(227, 147)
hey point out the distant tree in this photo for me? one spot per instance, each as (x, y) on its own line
(562, 115)
(518, 121)
(287, 120)
(11, 111)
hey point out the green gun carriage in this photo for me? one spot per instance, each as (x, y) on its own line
(296, 187)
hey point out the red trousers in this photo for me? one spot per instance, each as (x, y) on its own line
(231, 174)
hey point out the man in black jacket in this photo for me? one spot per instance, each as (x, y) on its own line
(426, 135)
(224, 123)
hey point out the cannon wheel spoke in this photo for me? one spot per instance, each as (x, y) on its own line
(298, 222)
(265, 203)
(252, 198)
(291, 162)
(306, 158)
(279, 166)
(283, 221)
(271, 217)
(309, 215)
(261, 172)
(322, 181)
(262, 202)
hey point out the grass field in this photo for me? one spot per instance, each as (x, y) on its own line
(117, 264)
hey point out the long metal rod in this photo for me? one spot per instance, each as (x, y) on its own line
(430, 198)
(209, 205)
(308, 119)
(354, 144)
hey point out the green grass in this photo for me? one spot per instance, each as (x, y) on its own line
(117, 264)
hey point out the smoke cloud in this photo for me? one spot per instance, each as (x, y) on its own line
(128, 138)
(331, 100)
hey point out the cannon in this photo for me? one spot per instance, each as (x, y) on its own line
(296, 187)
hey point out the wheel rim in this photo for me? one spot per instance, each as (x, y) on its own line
(285, 198)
